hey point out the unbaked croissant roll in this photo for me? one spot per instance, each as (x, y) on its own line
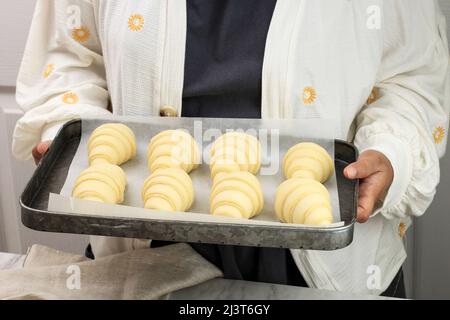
(237, 195)
(102, 182)
(173, 149)
(168, 189)
(308, 160)
(112, 143)
(235, 151)
(303, 201)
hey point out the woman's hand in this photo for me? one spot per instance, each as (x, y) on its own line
(376, 174)
(40, 150)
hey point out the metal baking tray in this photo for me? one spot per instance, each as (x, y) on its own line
(51, 174)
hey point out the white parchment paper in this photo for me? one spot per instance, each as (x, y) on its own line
(276, 137)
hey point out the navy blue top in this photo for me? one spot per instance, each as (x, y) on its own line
(225, 45)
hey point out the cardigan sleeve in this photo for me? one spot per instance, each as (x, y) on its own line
(409, 120)
(62, 75)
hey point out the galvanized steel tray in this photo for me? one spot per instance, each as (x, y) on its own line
(51, 174)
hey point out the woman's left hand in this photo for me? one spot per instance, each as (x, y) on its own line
(376, 174)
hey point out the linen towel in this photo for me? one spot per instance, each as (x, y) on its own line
(138, 274)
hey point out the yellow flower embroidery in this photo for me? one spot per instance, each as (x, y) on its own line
(70, 98)
(48, 70)
(439, 135)
(401, 229)
(373, 96)
(136, 22)
(81, 34)
(309, 95)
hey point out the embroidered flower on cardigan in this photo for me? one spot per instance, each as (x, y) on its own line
(70, 98)
(401, 229)
(309, 95)
(438, 135)
(48, 70)
(136, 22)
(81, 34)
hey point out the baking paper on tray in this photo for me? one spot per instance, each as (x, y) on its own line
(276, 137)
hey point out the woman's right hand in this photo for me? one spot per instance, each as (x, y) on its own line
(40, 150)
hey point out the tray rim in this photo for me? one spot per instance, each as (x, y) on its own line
(256, 226)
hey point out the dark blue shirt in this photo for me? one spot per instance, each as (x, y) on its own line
(225, 45)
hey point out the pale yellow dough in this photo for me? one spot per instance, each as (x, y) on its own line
(102, 182)
(236, 194)
(308, 160)
(173, 149)
(168, 189)
(235, 151)
(112, 143)
(303, 201)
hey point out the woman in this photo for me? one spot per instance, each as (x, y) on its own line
(269, 59)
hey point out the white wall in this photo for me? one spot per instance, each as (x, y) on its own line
(428, 266)
(14, 24)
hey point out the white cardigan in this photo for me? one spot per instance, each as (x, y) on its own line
(322, 59)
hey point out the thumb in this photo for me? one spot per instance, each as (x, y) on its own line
(363, 168)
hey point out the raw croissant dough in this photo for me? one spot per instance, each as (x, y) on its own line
(235, 151)
(102, 182)
(168, 189)
(173, 149)
(308, 160)
(303, 201)
(112, 143)
(237, 195)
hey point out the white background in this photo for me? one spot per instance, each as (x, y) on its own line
(428, 265)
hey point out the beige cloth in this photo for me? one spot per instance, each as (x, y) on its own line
(138, 274)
